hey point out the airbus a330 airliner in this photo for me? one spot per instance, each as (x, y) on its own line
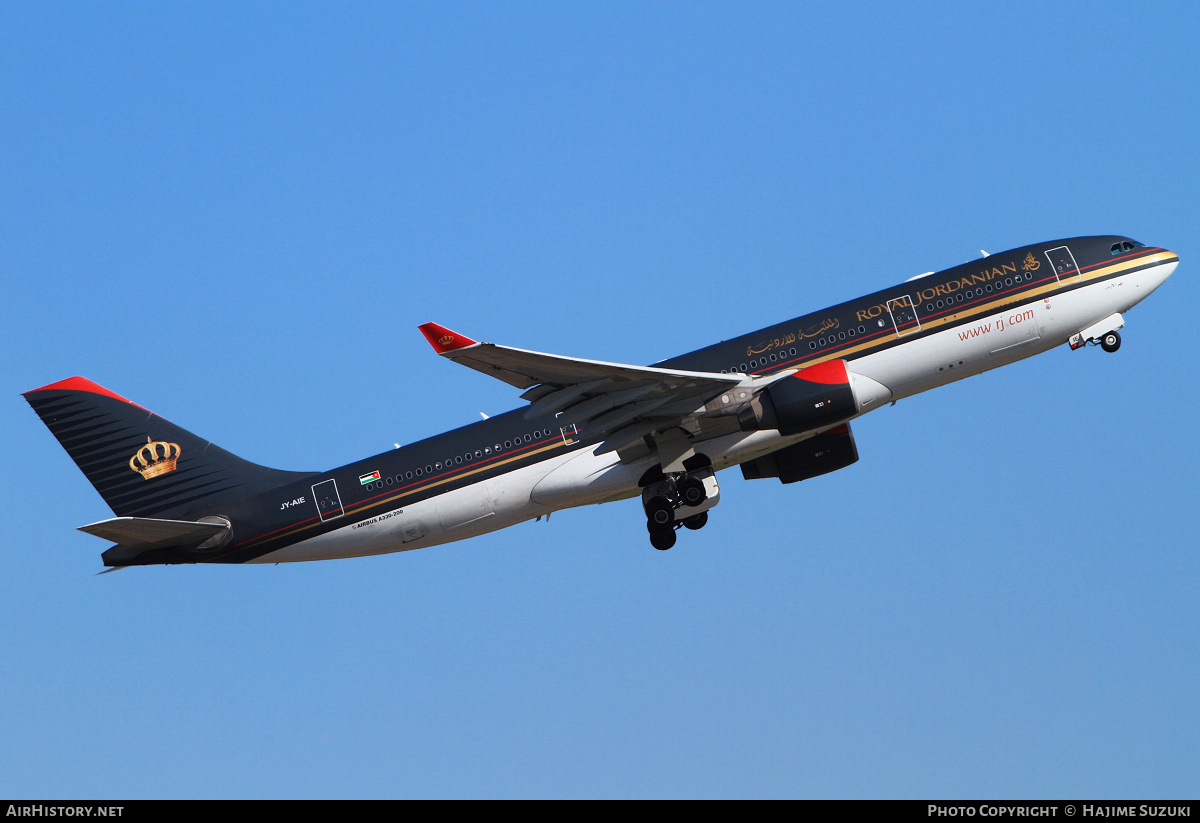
(778, 402)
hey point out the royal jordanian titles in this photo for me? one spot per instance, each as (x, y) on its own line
(777, 402)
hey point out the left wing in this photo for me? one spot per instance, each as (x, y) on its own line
(623, 402)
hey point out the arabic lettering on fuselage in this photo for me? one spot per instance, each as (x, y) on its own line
(815, 330)
(984, 276)
(767, 345)
(825, 325)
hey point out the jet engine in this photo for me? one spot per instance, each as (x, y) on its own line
(812, 398)
(820, 454)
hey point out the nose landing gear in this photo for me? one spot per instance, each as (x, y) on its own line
(679, 501)
(1106, 333)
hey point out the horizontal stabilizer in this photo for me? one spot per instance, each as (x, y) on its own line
(148, 533)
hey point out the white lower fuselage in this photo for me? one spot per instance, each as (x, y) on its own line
(582, 477)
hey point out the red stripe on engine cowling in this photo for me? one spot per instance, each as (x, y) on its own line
(829, 373)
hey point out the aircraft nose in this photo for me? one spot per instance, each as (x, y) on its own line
(1167, 261)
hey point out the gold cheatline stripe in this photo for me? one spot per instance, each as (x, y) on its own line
(986, 308)
(1114, 268)
(408, 493)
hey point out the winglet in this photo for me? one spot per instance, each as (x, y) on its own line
(443, 340)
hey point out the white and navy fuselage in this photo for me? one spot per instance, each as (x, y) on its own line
(917, 335)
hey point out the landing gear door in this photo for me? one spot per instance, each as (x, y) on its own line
(329, 504)
(1063, 263)
(904, 315)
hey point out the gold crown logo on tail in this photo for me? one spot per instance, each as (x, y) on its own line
(155, 458)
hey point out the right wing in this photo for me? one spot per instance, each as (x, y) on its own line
(623, 402)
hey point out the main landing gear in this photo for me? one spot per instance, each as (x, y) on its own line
(680, 500)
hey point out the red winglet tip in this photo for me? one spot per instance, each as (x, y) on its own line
(444, 340)
(83, 384)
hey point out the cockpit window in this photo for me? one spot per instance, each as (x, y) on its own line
(1127, 246)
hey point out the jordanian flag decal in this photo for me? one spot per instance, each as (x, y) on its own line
(368, 478)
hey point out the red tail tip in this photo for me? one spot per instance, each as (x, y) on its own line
(444, 340)
(83, 384)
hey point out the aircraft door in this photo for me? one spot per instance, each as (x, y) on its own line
(1063, 263)
(904, 315)
(329, 504)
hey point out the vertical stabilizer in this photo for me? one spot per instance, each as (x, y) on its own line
(143, 465)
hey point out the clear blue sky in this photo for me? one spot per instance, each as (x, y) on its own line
(237, 216)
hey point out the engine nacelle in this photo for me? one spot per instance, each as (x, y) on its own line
(812, 398)
(820, 454)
